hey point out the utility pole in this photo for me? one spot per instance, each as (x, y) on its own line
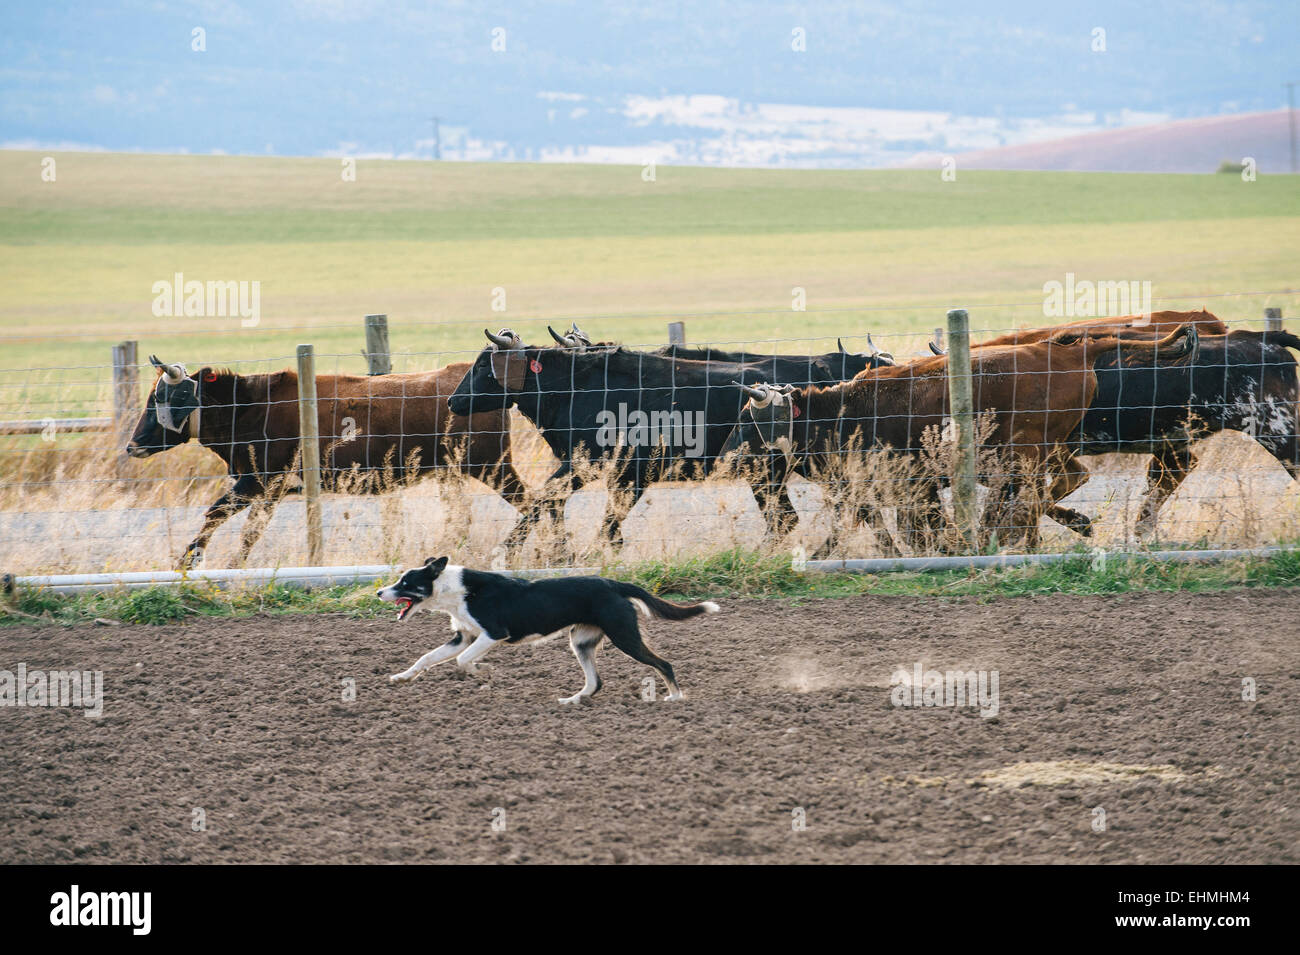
(1290, 115)
(437, 139)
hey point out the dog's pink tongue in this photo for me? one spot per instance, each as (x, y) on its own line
(403, 607)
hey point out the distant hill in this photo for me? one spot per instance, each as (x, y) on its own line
(1189, 145)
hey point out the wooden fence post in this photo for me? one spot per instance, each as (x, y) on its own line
(126, 388)
(309, 431)
(126, 400)
(964, 501)
(1273, 319)
(677, 333)
(378, 360)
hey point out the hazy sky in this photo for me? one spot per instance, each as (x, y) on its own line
(708, 82)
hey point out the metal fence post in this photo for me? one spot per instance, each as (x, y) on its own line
(378, 360)
(963, 416)
(309, 431)
(677, 333)
(1273, 319)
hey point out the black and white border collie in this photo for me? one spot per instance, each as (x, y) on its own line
(488, 609)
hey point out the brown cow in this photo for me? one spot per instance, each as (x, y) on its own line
(1037, 395)
(374, 432)
(1155, 414)
(1155, 325)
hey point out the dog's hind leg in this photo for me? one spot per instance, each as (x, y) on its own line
(585, 641)
(626, 635)
(445, 652)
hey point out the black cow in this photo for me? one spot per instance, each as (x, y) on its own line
(657, 416)
(829, 368)
(826, 369)
(1242, 381)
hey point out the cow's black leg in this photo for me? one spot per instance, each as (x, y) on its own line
(612, 526)
(1169, 468)
(548, 502)
(772, 492)
(246, 490)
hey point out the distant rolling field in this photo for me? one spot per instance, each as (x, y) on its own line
(879, 251)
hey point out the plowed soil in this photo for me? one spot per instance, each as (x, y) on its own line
(1121, 735)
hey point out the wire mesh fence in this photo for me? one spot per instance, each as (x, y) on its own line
(561, 448)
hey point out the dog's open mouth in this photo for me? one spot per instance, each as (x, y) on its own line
(403, 607)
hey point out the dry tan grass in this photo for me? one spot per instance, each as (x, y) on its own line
(78, 505)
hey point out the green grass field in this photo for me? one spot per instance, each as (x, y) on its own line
(879, 251)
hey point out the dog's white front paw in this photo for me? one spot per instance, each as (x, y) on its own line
(576, 698)
(673, 697)
(406, 677)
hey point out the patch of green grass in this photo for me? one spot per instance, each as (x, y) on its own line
(733, 573)
(886, 251)
(164, 605)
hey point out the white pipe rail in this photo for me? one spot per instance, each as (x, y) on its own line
(60, 425)
(309, 577)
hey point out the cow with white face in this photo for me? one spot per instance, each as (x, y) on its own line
(166, 421)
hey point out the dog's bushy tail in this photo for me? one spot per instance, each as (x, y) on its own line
(650, 604)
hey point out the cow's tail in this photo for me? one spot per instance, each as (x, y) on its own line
(1285, 339)
(649, 604)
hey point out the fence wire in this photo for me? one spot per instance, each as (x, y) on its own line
(577, 454)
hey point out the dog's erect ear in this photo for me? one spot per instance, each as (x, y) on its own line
(436, 564)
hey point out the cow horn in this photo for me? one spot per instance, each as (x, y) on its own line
(172, 374)
(874, 351)
(556, 336)
(757, 392)
(935, 348)
(504, 339)
(578, 333)
(840, 342)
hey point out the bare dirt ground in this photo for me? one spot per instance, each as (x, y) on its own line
(1131, 705)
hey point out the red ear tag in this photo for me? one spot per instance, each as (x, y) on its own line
(795, 408)
(534, 366)
(210, 377)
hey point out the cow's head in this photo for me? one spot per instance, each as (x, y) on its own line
(500, 373)
(574, 338)
(170, 414)
(852, 363)
(767, 419)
